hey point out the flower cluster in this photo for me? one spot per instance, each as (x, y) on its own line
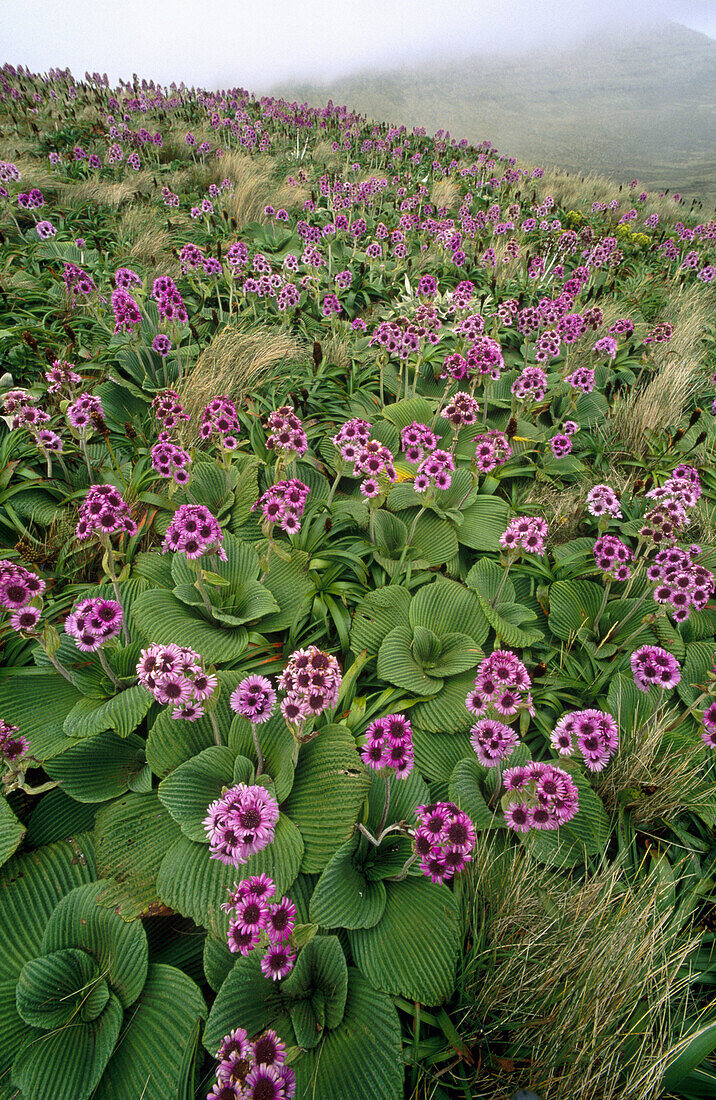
(484, 357)
(560, 445)
(491, 450)
(254, 699)
(708, 719)
(104, 512)
(169, 460)
(502, 681)
(650, 664)
(372, 460)
(18, 586)
(60, 375)
(602, 501)
(460, 410)
(526, 532)
(680, 581)
(169, 301)
(539, 796)
(389, 744)
(286, 432)
(194, 531)
(253, 1071)
(175, 675)
(220, 417)
(416, 439)
(435, 471)
(581, 379)
(240, 823)
(254, 913)
(444, 840)
(611, 556)
(127, 314)
(351, 437)
(83, 413)
(12, 746)
(532, 382)
(169, 409)
(94, 621)
(311, 680)
(493, 741)
(596, 735)
(284, 503)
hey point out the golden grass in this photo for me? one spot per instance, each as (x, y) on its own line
(575, 980)
(238, 362)
(104, 192)
(144, 236)
(445, 193)
(680, 366)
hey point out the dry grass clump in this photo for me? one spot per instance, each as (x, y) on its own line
(655, 776)
(238, 362)
(679, 367)
(445, 192)
(103, 192)
(144, 237)
(575, 982)
(253, 186)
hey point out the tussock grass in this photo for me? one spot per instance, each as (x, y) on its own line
(144, 234)
(573, 984)
(679, 364)
(238, 362)
(104, 192)
(445, 192)
(253, 186)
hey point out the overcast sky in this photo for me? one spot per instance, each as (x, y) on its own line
(258, 43)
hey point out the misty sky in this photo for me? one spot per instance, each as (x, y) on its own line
(258, 43)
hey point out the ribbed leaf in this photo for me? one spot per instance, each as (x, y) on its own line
(434, 539)
(190, 881)
(390, 533)
(289, 584)
(446, 713)
(218, 961)
(466, 792)
(100, 767)
(119, 948)
(276, 745)
(437, 754)
(376, 615)
(459, 653)
(448, 608)
(163, 620)
(242, 564)
(329, 787)
(497, 600)
(246, 995)
(409, 409)
(630, 706)
(405, 795)
(343, 897)
(11, 831)
(31, 885)
(132, 836)
(573, 605)
(57, 817)
(397, 664)
(122, 713)
(412, 951)
(67, 1064)
(149, 1061)
(38, 702)
(13, 1034)
(483, 523)
(52, 988)
(172, 741)
(361, 1058)
(695, 670)
(318, 985)
(191, 787)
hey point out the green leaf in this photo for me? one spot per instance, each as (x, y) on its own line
(246, 995)
(52, 989)
(695, 670)
(122, 713)
(318, 984)
(218, 961)
(390, 533)
(483, 523)
(171, 742)
(446, 713)
(276, 745)
(329, 786)
(587, 833)
(99, 768)
(434, 539)
(191, 787)
(506, 616)
(437, 754)
(409, 409)
(573, 605)
(120, 949)
(397, 664)
(696, 1045)
(156, 1056)
(57, 817)
(361, 1058)
(132, 836)
(67, 1064)
(193, 883)
(289, 584)
(13, 1034)
(412, 951)
(447, 607)
(164, 620)
(38, 702)
(31, 885)
(11, 831)
(376, 615)
(405, 795)
(343, 897)
(466, 792)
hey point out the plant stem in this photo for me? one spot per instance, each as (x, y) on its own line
(215, 727)
(408, 541)
(83, 448)
(503, 581)
(334, 486)
(257, 746)
(115, 584)
(403, 873)
(605, 597)
(58, 666)
(105, 665)
(386, 807)
(201, 589)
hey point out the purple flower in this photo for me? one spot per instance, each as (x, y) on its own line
(652, 665)
(528, 533)
(18, 586)
(103, 511)
(94, 621)
(595, 732)
(194, 531)
(493, 741)
(312, 681)
(240, 823)
(276, 964)
(254, 699)
(389, 744)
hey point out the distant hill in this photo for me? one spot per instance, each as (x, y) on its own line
(619, 106)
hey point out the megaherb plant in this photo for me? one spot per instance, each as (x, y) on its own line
(358, 701)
